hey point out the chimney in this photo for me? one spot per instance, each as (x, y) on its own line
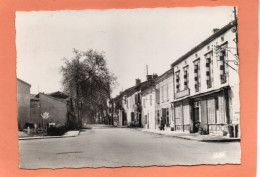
(215, 30)
(155, 76)
(137, 81)
(149, 77)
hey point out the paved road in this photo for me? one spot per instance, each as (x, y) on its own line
(114, 147)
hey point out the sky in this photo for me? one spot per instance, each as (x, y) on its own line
(130, 38)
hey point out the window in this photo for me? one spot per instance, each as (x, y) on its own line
(211, 110)
(186, 114)
(185, 77)
(196, 75)
(162, 91)
(208, 70)
(167, 92)
(167, 117)
(158, 117)
(178, 115)
(177, 81)
(151, 97)
(145, 119)
(221, 110)
(144, 102)
(222, 66)
(158, 96)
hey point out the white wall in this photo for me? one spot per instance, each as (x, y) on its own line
(232, 75)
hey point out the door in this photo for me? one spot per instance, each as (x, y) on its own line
(164, 113)
(196, 118)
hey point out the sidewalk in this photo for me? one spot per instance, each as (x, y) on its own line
(66, 135)
(193, 136)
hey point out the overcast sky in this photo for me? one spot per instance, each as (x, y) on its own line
(130, 39)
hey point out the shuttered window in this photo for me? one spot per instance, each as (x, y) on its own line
(208, 69)
(221, 116)
(196, 75)
(177, 81)
(222, 67)
(186, 114)
(178, 115)
(211, 111)
(185, 77)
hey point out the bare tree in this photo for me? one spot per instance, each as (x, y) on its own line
(88, 81)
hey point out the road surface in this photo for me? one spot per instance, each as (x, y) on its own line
(115, 147)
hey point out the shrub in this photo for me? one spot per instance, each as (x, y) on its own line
(28, 125)
(56, 131)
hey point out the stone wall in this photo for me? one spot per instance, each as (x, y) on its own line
(23, 103)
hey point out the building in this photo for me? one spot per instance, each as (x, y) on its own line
(60, 109)
(206, 85)
(164, 99)
(131, 99)
(23, 103)
(133, 105)
(149, 106)
(35, 113)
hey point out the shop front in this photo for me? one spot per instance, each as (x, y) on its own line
(210, 112)
(206, 113)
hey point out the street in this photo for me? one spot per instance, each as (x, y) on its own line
(115, 147)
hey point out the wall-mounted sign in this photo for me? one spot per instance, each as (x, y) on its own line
(182, 93)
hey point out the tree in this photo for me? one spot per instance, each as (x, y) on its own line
(88, 81)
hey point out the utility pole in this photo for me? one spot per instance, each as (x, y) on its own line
(235, 15)
(146, 69)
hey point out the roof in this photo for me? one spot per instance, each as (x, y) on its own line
(205, 42)
(55, 97)
(164, 75)
(33, 97)
(58, 94)
(24, 82)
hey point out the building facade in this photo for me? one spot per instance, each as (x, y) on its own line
(23, 103)
(60, 108)
(206, 85)
(35, 113)
(164, 99)
(149, 107)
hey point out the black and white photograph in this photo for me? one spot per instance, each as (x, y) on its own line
(128, 87)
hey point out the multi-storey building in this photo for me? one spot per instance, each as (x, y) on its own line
(206, 85)
(164, 99)
(148, 94)
(132, 105)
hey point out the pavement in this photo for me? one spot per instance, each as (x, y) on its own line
(117, 147)
(73, 133)
(193, 136)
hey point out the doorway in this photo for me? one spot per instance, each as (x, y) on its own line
(196, 116)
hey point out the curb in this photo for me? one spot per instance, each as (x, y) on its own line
(197, 139)
(47, 137)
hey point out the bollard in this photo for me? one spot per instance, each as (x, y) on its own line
(28, 130)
